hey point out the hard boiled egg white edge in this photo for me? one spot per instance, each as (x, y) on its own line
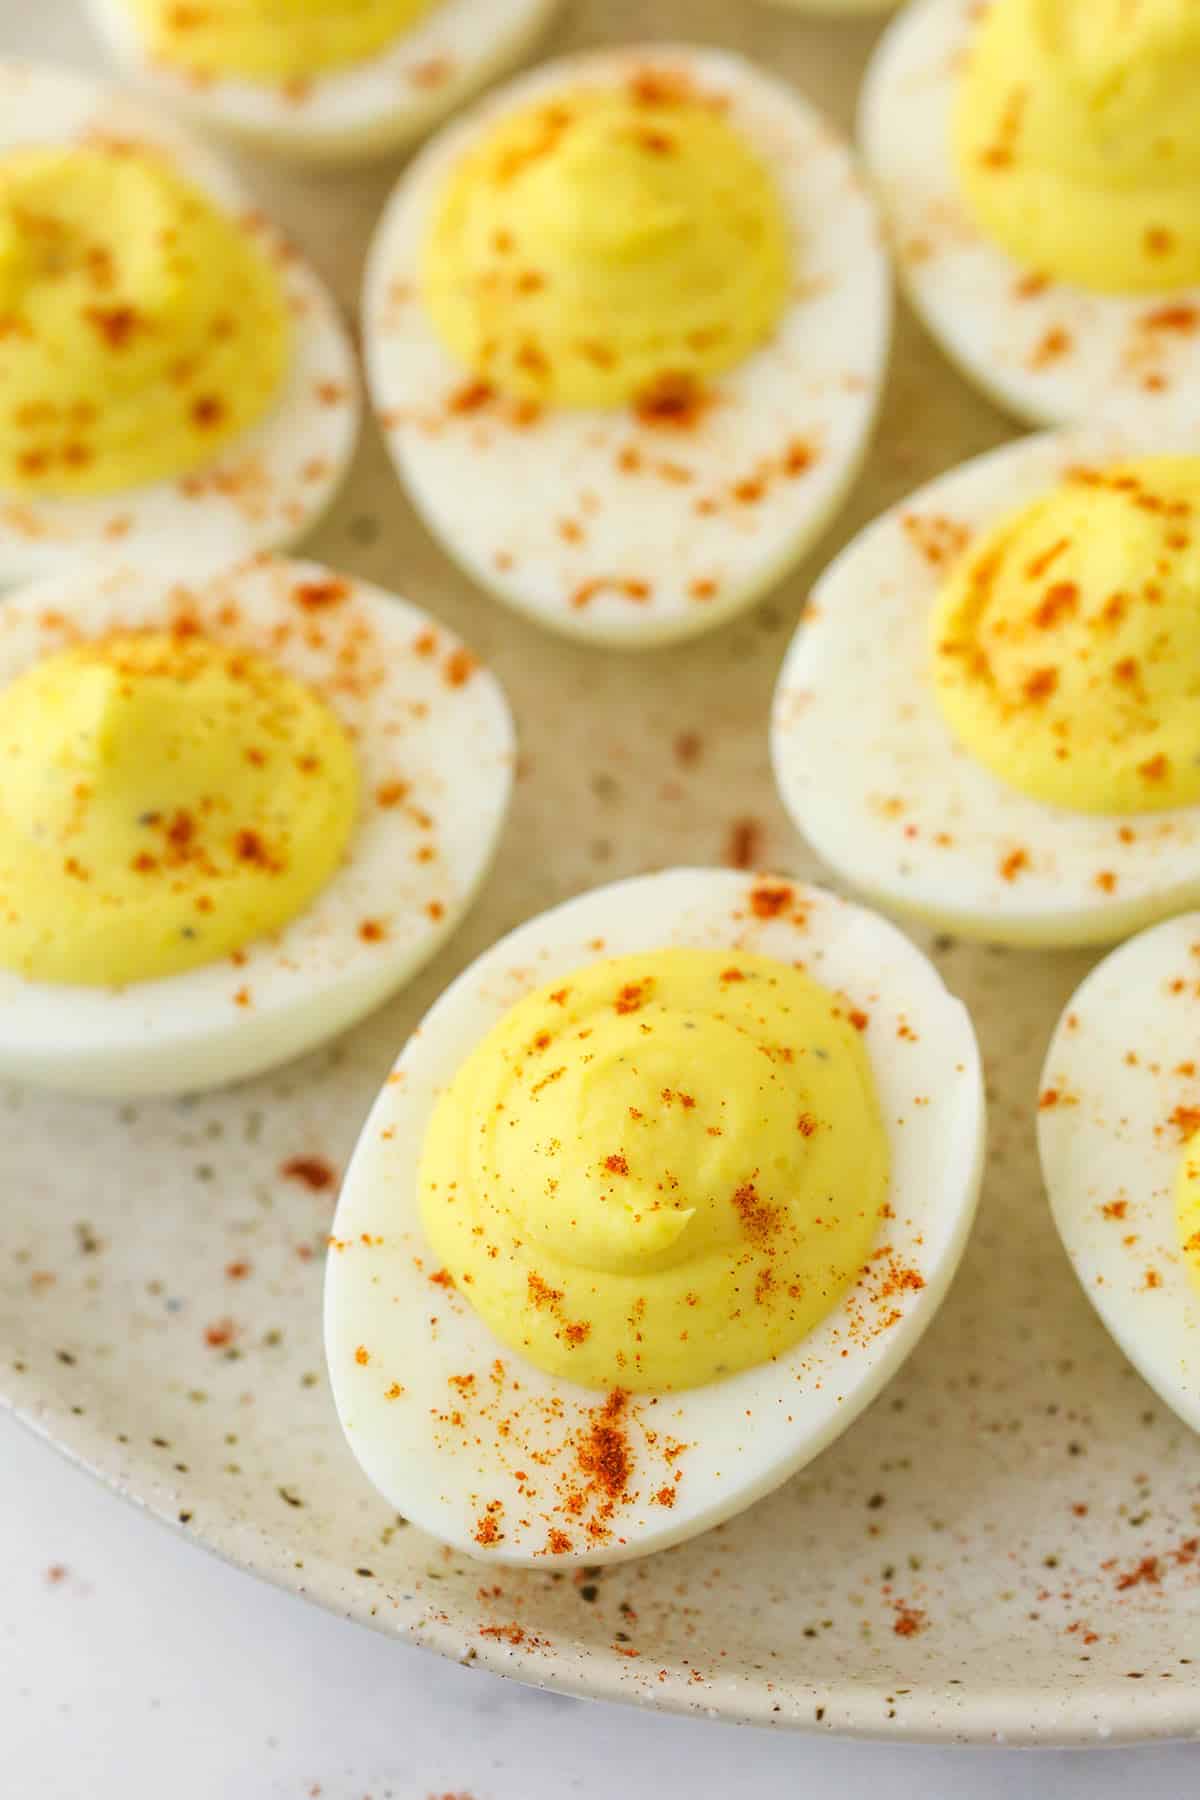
(1043, 350)
(1119, 1076)
(869, 770)
(588, 520)
(362, 110)
(396, 1340)
(421, 713)
(268, 486)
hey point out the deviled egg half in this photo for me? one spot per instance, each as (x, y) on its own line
(666, 1186)
(236, 812)
(1039, 165)
(1119, 1134)
(990, 715)
(625, 329)
(170, 369)
(322, 80)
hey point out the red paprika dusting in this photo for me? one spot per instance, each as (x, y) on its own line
(311, 1171)
(767, 901)
(249, 847)
(316, 596)
(1182, 318)
(218, 1335)
(1148, 1570)
(487, 1533)
(744, 847)
(1012, 864)
(362, 1356)
(760, 1220)
(207, 410)
(604, 1454)
(625, 588)
(460, 666)
(1040, 684)
(1053, 344)
(541, 1294)
(442, 1278)
(674, 401)
(116, 324)
(909, 1620)
(372, 931)
(471, 397)
(616, 1164)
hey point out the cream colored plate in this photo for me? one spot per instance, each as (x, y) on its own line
(964, 1562)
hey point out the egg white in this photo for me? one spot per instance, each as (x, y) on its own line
(873, 777)
(391, 674)
(543, 513)
(268, 486)
(1050, 354)
(1117, 1069)
(359, 111)
(744, 1435)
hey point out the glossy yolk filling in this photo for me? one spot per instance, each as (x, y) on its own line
(1066, 643)
(272, 40)
(141, 329)
(660, 1170)
(607, 247)
(163, 801)
(1077, 139)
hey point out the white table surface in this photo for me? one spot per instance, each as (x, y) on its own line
(133, 1666)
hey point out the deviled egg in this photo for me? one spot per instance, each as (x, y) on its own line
(169, 368)
(625, 329)
(989, 716)
(1039, 166)
(323, 80)
(666, 1186)
(1118, 1125)
(236, 812)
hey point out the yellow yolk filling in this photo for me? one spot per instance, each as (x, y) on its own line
(141, 329)
(272, 40)
(1066, 643)
(163, 801)
(606, 247)
(1077, 139)
(660, 1170)
(1187, 1208)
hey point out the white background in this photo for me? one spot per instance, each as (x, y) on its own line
(133, 1666)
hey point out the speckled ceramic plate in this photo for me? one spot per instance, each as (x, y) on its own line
(956, 1564)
